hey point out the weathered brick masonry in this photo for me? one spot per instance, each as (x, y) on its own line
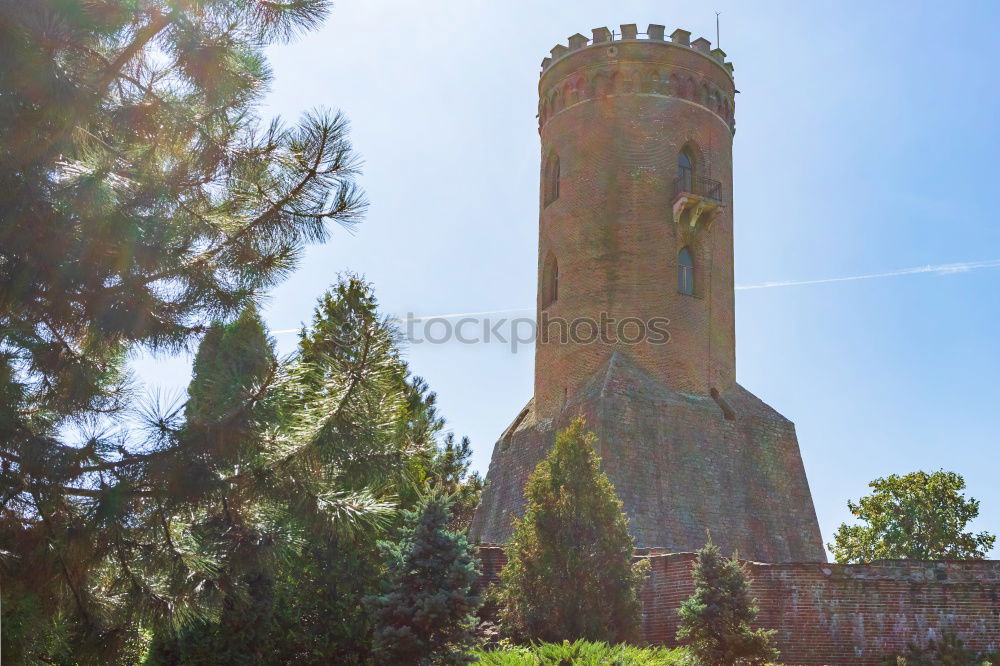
(636, 169)
(836, 614)
(678, 465)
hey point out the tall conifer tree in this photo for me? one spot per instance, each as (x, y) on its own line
(569, 571)
(306, 481)
(715, 621)
(426, 613)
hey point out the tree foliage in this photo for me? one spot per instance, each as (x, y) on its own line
(449, 472)
(715, 621)
(141, 196)
(569, 571)
(141, 200)
(144, 206)
(350, 438)
(916, 516)
(426, 613)
(329, 578)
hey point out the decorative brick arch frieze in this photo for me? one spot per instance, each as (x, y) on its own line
(630, 79)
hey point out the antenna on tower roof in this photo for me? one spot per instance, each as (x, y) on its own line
(718, 42)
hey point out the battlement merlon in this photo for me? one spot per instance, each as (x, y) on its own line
(629, 33)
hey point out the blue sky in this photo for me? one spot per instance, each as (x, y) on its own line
(866, 143)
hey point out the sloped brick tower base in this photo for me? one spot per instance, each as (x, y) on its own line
(635, 234)
(679, 465)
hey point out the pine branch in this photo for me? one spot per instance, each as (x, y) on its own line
(157, 23)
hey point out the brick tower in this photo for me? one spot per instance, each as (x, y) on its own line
(636, 306)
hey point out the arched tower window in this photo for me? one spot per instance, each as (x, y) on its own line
(685, 272)
(550, 281)
(550, 184)
(685, 170)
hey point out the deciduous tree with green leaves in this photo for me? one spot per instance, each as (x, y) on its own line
(916, 516)
(715, 621)
(569, 571)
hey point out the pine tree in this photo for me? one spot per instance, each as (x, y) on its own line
(262, 499)
(450, 472)
(145, 206)
(715, 621)
(427, 612)
(141, 200)
(140, 197)
(569, 571)
(340, 437)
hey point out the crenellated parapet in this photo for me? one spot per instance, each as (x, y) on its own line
(628, 62)
(629, 32)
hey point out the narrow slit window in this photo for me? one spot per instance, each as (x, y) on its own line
(685, 171)
(550, 282)
(685, 272)
(550, 188)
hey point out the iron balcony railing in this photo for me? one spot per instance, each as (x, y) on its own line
(706, 188)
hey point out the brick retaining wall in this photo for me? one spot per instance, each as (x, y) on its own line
(835, 614)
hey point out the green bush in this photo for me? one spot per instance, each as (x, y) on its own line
(582, 653)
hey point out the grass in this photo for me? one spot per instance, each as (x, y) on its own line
(581, 653)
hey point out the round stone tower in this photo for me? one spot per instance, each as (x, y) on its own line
(635, 221)
(635, 307)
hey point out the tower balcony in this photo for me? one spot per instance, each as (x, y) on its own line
(696, 199)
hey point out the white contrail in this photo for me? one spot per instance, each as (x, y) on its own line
(938, 269)
(457, 315)
(466, 314)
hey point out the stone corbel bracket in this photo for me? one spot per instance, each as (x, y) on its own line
(697, 211)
